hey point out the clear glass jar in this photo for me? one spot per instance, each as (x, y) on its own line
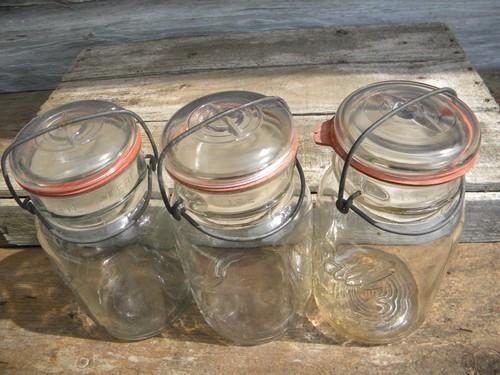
(89, 186)
(245, 229)
(378, 264)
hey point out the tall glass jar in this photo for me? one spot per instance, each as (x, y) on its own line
(90, 186)
(245, 229)
(389, 218)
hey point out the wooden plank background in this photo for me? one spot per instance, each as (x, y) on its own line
(312, 69)
(43, 331)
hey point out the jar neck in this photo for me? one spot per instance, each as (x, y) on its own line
(397, 205)
(242, 209)
(99, 213)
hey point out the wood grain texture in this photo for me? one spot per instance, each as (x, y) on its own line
(323, 46)
(39, 41)
(313, 84)
(43, 331)
(314, 89)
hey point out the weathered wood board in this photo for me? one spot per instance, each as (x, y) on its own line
(43, 331)
(302, 47)
(312, 69)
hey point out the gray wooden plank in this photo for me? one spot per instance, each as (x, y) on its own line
(325, 46)
(482, 217)
(17, 109)
(492, 79)
(38, 43)
(17, 227)
(43, 331)
(28, 3)
(482, 214)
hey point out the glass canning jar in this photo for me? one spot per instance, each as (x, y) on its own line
(381, 253)
(89, 186)
(245, 229)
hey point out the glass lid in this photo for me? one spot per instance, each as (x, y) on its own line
(77, 157)
(430, 142)
(253, 142)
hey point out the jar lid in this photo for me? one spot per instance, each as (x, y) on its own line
(431, 142)
(75, 158)
(239, 150)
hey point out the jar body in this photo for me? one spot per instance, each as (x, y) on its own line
(373, 286)
(250, 292)
(131, 284)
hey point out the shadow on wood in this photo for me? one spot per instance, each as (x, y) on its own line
(36, 299)
(18, 109)
(33, 296)
(43, 331)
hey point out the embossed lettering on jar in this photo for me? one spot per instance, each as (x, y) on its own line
(245, 230)
(384, 243)
(90, 188)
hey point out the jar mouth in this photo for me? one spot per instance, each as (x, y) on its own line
(91, 182)
(247, 182)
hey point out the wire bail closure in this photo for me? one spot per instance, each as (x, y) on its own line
(345, 205)
(27, 204)
(178, 210)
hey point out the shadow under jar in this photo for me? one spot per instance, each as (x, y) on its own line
(90, 186)
(245, 229)
(386, 234)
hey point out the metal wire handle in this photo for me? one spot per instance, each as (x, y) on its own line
(178, 210)
(27, 203)
(344, 205)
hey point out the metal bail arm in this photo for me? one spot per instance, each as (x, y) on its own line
(26, 203)
(178, 211)
(344, 205)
